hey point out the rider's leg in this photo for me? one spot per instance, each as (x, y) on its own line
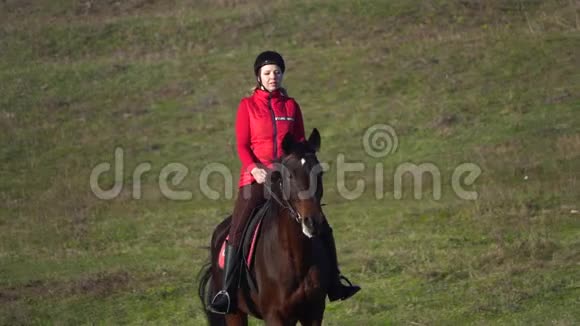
(337, 289)
(249, 197)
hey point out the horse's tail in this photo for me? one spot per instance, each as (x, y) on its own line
(203, 278)
(204, 291)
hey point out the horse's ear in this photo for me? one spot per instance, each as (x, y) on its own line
(288, 143)
(314, 140)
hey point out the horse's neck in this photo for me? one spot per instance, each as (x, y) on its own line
(293, 245)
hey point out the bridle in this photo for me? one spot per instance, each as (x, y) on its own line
(283, 202)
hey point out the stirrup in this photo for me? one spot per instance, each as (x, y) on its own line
(213, 301)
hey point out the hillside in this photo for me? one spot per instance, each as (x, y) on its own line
(495, 84)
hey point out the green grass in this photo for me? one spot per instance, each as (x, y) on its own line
(494, 83)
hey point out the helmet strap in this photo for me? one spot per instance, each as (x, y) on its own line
(260, 85)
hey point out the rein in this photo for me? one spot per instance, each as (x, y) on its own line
(287, 205)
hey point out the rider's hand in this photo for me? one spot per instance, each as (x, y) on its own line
(259, 174)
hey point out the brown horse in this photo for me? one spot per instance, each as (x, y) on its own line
(289, 263)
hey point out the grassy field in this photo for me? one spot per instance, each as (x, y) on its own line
(492, 83)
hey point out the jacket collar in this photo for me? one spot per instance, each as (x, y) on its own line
(264, 95)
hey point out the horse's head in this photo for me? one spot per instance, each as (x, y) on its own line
(299, 177)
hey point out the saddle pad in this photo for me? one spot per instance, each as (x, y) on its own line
(249, 255)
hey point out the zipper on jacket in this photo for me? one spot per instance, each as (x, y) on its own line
(273, 125)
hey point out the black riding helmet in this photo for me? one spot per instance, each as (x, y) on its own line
(268, 58)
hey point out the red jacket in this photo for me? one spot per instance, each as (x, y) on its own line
(262, 121)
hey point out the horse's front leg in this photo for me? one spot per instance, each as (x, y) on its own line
(237, 319)
(275, 319)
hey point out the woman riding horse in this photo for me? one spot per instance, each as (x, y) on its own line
(263, 119)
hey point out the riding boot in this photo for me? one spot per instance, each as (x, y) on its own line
(224, 301)
(337, 290)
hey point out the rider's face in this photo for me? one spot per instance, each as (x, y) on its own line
(271, 77)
